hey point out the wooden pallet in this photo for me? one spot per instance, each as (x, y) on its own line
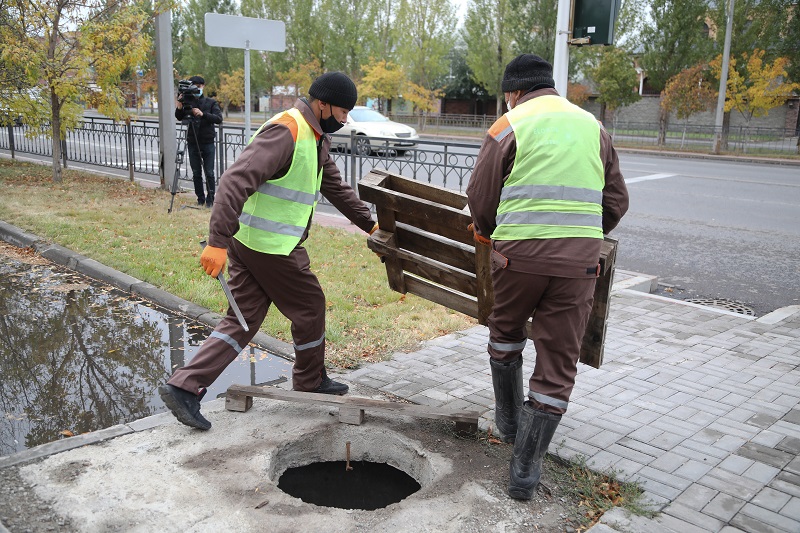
(351, 408)
(429, 251)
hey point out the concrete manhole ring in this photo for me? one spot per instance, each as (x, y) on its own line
(366, 445)
(724, 303)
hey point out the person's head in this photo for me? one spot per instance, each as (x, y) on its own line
(199, 81)
(525, 73)
(333, 95)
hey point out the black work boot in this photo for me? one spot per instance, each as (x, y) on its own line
(535, 431)
(328, 386)
(184, 405)
(507, 382)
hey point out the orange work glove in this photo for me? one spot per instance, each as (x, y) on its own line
(213, 260)
(478, 238)
(374, 229)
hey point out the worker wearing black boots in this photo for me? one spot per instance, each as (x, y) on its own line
(545, 188)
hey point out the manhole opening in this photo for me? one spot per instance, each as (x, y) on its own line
(724, 303)
(366, 485)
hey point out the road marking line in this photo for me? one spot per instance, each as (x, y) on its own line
(649, 177)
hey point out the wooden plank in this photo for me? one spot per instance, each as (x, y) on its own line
(351, 415)
(406, 206)
(448, 251)
(347, 402)
(426, 191)
(236, 402)
(593, 344)
(455, 229)
(459, 280)
(394, 270)
(483, 279)
(442, 295)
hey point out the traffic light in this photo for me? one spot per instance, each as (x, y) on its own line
(594, 19)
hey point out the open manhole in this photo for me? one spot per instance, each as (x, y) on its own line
(724, 303)
(348, 485)
(350, 468)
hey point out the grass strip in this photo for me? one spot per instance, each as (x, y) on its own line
(127, 227)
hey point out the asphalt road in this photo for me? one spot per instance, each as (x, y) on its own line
(714, 229)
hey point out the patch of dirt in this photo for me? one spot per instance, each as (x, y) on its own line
(23, 255)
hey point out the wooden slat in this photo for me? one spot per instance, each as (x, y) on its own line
(483, 279)
(460, 280)
(449, 298)
(426, 191)
(448, 251)
(455, 230)
(421, 411)
(593, 344)
(407, 208)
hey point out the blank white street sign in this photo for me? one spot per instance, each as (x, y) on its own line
(233, 31)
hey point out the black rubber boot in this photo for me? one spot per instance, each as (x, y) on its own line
(507, 382)
(536, 429)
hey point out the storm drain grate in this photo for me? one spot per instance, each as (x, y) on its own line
(724, 303)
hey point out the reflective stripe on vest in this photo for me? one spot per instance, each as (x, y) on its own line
(555, 189)
(275, 217)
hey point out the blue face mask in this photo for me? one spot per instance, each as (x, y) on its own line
(201, 92)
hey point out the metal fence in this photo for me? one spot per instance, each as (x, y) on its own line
(740, 139)
(135, 146)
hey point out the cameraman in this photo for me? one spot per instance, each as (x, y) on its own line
(201, 133)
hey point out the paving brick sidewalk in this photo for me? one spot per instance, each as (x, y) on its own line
(700, 406)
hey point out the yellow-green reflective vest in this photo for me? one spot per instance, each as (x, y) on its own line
(275, 217)
(555, 189)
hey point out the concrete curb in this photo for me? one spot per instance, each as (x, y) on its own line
(95, 270)
(94, 437)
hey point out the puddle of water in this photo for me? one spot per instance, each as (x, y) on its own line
(78, 356)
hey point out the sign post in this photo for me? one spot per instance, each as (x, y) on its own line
(232, 31)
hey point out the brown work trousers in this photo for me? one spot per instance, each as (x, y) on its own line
(256, 281)
(560, 309)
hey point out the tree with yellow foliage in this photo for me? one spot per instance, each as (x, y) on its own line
(385, 80)
(231, 89)
(758, 86)
(382, 80)
(74, 50)
(301, 76)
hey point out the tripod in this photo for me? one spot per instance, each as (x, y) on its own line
(179, 153)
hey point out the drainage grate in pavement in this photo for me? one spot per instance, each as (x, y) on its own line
(724, 303)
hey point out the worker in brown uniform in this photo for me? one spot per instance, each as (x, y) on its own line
(261, 216)
(545, 188)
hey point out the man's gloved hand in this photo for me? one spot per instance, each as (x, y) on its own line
(213, 260)
(478, 238)
(374, 229)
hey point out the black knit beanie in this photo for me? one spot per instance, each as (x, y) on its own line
(527, 71)
(336, 89)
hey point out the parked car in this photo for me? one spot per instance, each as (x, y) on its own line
(366, 122)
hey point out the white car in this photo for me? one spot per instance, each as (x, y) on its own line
(366, 122)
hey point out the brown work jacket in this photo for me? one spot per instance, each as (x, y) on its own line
(569, 257)
(269, 157)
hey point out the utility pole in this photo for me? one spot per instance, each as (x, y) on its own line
(561, 52)
(166, 99)
(723, 81)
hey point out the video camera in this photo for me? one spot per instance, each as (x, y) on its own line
(188, 93)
